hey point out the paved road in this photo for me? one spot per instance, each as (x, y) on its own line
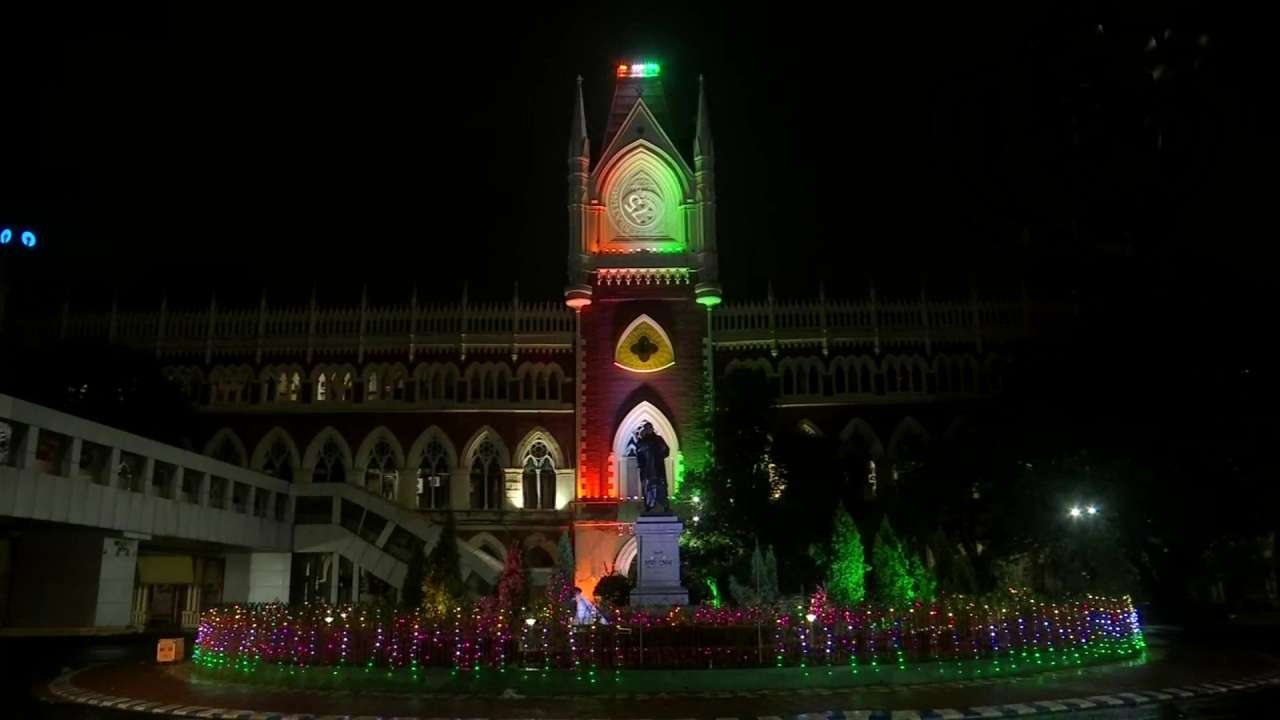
(30, 662)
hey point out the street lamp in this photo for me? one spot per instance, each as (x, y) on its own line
(1076, 511)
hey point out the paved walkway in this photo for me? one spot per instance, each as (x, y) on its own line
(1181, 672)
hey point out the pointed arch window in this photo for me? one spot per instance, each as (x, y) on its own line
(433, 477)
(371, 387)
(322, 387)
(329, 464)
(539, 478)
(276, 463)
(486, 478)
(227, 452)
(393, 385)
(381, 474)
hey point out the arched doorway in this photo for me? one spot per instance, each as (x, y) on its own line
(624, 461)
(626, 558)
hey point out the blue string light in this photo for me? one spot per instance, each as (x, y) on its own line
(28, 238)
(5, 236)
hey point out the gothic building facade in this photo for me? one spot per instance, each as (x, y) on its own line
(517, 416)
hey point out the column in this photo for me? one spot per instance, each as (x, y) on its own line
(27, 450)
(191, 609)
(141, 605)
(334, 576)
(407, 487)
(201, 488)
(148, 473)
(113, 465)
(71, 463)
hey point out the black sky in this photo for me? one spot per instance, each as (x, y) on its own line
(175, 148)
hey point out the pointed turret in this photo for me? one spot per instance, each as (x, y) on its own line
(578, 293)
(704, 178)
(702, 145)
(579, 143)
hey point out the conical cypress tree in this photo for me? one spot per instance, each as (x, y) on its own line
(846, 578)
(442, 584)
(890, 567)
(511, 584)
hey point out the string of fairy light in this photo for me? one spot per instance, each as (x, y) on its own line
(957, 636)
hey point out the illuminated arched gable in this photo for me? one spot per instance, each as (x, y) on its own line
(644, 346)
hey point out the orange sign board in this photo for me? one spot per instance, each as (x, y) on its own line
(169, 650)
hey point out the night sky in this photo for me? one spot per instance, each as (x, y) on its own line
(176, 149)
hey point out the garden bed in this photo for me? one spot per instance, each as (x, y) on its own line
(960, 636)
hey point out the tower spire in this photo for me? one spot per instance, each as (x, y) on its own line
(579, 143)
(702, 145)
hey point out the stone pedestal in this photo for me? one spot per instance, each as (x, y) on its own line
(658, 562)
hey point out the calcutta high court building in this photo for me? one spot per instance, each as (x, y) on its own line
(518, 417)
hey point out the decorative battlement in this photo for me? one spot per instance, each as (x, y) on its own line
(878, 324)
(546, 326)
(333, 330)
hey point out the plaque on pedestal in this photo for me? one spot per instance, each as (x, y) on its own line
(658, 555)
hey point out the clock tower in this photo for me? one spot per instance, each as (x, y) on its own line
(643, 280)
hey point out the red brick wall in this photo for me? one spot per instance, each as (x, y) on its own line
(610, 392)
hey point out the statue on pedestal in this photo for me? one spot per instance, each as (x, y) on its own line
(651, 461)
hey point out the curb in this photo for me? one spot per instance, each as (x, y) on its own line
(63, 689)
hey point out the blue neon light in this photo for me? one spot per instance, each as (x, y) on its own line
(5, 236)
(28, 238)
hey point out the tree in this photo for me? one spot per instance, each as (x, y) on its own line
(890, 568)
(442, 584)
(951, 566)
(560, 586)
(761, 587)
(846, 579)
(613, 590)
(511, 584)
(924, 584)
(411, 591)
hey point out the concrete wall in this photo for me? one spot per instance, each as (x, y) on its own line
(235, 579)
(119, 565)
(269, 577)
(257, 577)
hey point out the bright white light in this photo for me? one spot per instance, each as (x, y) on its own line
(810, 617)
(696, 499)
(1092, 510)
(696, 518)
(1074, 512)
(530, 621)
(328, 618)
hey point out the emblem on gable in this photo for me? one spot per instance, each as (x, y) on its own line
(636, 206)
(644, 347)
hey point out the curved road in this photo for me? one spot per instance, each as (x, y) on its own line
(27, 663)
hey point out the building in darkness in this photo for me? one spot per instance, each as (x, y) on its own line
(518, 416)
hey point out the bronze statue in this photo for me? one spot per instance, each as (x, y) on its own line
(651, 460)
